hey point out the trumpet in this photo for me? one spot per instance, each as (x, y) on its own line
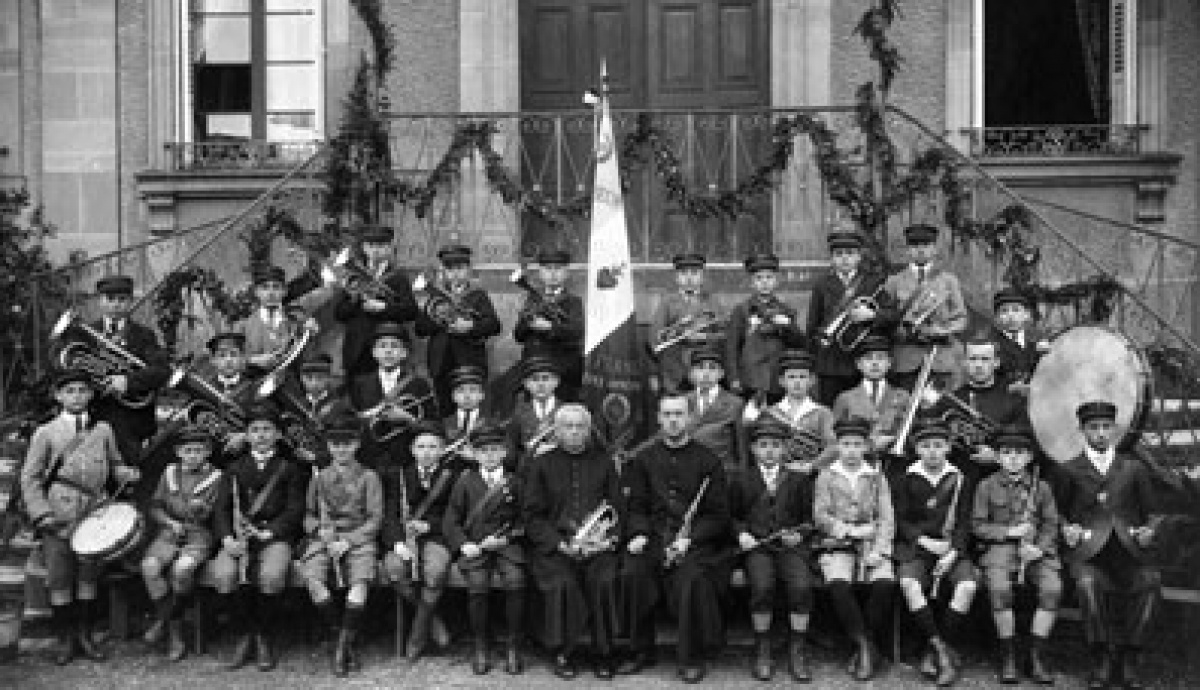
(100, 357)
(686, 327)
(536, 303)
(835, 332)
(595, 533)
(383, 429)
(355, 278)
(443, 307)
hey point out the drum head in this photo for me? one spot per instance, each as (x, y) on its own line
(1085, 363)
(105, 529)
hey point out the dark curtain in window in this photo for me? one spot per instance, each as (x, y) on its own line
(1093, 18)
(1035, 72)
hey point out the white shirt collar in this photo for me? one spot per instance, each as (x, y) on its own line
(542, 408)
(70, 417)
(261, 459)
(228, 381)
(114, 323)
(769, 474)
(918, 468)
(913, 267)
(796, 411)
(1101, 461)
(272, 316)
(864, 470)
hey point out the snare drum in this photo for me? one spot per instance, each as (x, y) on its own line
(109, 532)
(1087, 363)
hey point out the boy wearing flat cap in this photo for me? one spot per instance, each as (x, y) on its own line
(418, 559)
(312, 401)
(483, 528)
(343, 516)
(852, 508)
(259, 515)
(468, 393)
(924, 304)
(1020, 345)
(1016, 519)
(272, 325)
(772, 512)
(391, 401)
(459, 338)
(690, 318)
(933, 513)
(532, 425)
(813, 441)
(560, 339)
(845, 293)
(229, 378)
(716, 414)
(874, 399)
(131, 426)
(182, 509)
(1107, 502)
(362, 311)
(71, 459)
(759, 330)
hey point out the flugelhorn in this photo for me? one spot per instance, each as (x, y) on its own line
(923, 306)
(595, 533)
(209, 408)
(684, 328)
(835, 332)
(383, 429)
(99, 356)
(440, 306)
(536, 303)
(357, 279)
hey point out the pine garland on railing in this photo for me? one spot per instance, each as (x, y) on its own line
(170, 300)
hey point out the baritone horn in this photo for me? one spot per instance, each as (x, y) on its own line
(99, 356)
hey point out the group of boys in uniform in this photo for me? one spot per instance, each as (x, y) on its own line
(768, 457)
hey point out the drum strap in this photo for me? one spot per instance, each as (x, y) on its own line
(485, 507)
(438, 488)
(73, 445)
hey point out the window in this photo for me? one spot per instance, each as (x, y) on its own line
(252, 70)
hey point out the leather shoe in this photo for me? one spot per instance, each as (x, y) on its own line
(564, 667)
(176, 648)
(635, 663)
(1037, 669)
(64, 650)
(243, 653)
(88, 648)
(479, 659)
(1102, 671)
(868, 659)
(1008, 664)
(1128, 670)
(763, 666)
(798, 659)
(605, 668)
(692, 673)
(266, 655)
(513, 664)
(928, 666)
(947, 668)
(156, 632)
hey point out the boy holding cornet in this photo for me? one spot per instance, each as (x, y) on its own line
(685, 321)
(391, 400)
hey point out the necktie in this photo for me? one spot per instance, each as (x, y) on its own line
(465, 422)
(1016, 338)
(426, 475)
(79, 424)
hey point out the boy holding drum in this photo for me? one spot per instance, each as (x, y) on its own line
(70, 460)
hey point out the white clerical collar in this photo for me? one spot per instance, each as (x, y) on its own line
(918, 468)
(769, 473)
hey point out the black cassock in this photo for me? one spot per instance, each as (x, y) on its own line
(663, 482)
(561, 489)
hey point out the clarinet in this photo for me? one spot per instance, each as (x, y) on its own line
(947, 528)
(1027, 517)
(241, 533)
(672, 556)
(860, 554)
(323, 508)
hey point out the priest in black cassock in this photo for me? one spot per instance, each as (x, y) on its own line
(577, 581)
(664, 480)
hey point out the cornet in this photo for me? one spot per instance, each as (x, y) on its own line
(923, 306)
(684, 328)
(595, 534)
(440, 306)
(835, 333)
(383, 429)
(536, 303)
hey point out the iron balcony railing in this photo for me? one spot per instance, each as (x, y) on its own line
(1055, 141)
(239, 155)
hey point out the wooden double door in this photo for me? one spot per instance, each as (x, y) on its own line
(698, 69)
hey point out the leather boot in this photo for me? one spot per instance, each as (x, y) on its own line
(420, 631)
(1008, 662)
(947, 668)
(83, 638)
(351, 622)
(1037, 668)
(243, 653)
(798, 658)
(479, 658)
(438, 632)
(763, 666)
(477, 610)
(1128, 673)
(867, 658)
(162, 615)
(1102, 668)
(341, 655)
(176, 647)
(928, 665)
(64, 628)
(264, 651)
(513, 663)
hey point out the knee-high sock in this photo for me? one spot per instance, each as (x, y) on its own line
(514, 613)
(352, 618)
(477, 611)
(925, 623)
(880, 603)
(847, 608)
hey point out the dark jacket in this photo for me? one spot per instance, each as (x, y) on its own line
(449, 350)
(922, 508)
(827, 302)
(282, 511)
(563, 343)
(752, 350)
(664, 482)
(503, 513)
(756, 511)
(141, 423)
(361, 324)
(561, 489)
(1106, 505)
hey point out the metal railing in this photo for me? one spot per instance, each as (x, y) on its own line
(226, 156)
(1055, 141)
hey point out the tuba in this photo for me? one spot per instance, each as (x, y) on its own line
(536, 303)
(684, 328)
(99, 356)
(595, 533)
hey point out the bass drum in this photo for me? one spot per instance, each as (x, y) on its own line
(1087, 363)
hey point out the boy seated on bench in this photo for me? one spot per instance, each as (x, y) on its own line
(483, 527)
